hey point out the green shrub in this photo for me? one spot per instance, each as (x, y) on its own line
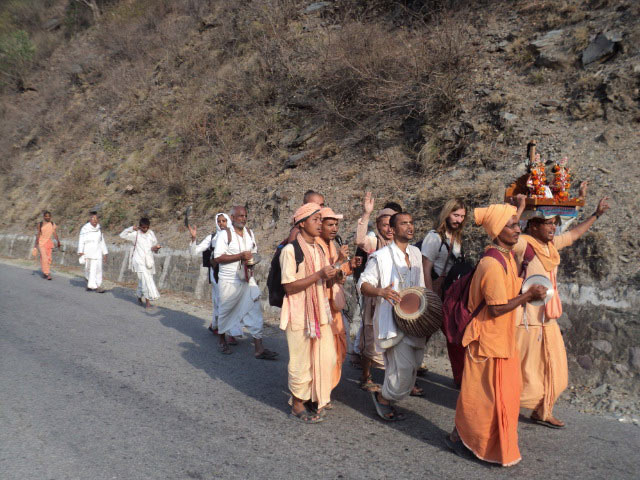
(16, 56)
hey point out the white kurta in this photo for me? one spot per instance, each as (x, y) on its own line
(197, 249)
(91, 243)
(402, 353)
(142, 262)
(239, 299)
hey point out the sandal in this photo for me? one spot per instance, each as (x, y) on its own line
(387, 412)
(266, 355)
(456, 447)
(48, 277)
(225, 350)
(213, 330)
(368, 385)
(416, 391)
(313, 408)
(547, 423)
(307, 417)
(232, 340)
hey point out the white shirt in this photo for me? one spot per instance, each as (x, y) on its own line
(91, 242)
(437, 252)
(231, 271)
(388, 267)
(141, 259)
(209, 240)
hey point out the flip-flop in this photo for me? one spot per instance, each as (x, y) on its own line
(414, 393)
(546, 423)
(306, 417)
(312, 407)
(456, 447)
(266, 355)
(212, 330)
(232, 341)
(384, 410)
(369, 386)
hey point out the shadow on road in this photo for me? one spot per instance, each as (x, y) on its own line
(254, 378)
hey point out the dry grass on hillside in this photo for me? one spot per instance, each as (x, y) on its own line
(155, 105)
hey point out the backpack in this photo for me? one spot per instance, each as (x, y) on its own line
(207, 257)
(274, 280)
(455, 312)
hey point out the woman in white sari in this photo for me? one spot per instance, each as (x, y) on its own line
(141, 259)
(208, 243)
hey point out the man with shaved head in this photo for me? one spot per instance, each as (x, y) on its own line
(239, 293)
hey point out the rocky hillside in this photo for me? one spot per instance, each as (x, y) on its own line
(149, 106)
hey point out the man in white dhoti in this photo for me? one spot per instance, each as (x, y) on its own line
(239, 293)
(206, 247)
(92, 250)
(141, 259)
(390, 270)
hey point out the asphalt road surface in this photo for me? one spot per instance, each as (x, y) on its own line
(94, 387)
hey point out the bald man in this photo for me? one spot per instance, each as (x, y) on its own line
(239, 293)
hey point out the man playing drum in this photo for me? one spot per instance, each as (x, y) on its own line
(390, 270)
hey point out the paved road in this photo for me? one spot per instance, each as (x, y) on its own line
(93, 387)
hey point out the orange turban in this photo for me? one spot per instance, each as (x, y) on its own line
(305, 212)
(494, 217)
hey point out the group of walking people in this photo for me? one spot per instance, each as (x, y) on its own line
(511, 355)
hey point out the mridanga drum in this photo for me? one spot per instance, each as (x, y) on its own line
(419, 312)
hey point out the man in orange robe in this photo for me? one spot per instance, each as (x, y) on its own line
(306, 318)
(489, 402)
(335, 293)
(543, 358)
(46, 230)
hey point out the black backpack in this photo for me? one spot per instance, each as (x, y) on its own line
(274, 280)
(207, 256)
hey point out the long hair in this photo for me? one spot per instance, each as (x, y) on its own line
(440, 226)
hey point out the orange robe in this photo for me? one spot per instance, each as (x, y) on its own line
(489, 401)
(311, 360)
(543, 357)
(337, 322)
(45, 245)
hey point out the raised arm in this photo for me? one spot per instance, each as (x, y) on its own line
(581, 228)
(363, 222)
(521, 200)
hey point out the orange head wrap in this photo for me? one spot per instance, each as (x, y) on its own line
(305, 212)
(494, 217)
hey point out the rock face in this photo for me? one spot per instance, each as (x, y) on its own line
(549, 50)
(602, 48)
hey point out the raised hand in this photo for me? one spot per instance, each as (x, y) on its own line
(192, 231)
(368, 203)
(583, 189)
(603, 206)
